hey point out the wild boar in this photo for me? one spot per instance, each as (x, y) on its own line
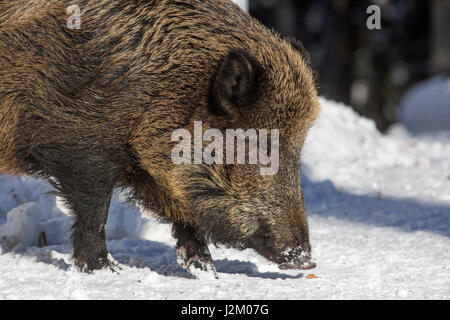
(93, 107)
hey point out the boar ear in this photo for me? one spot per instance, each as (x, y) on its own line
(298, 45)
(235, 86)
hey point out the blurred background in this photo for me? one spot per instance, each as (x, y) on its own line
(398, 73)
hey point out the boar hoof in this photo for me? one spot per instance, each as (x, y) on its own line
(196, 260)
(90, 265)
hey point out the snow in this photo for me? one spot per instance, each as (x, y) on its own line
(379, 215)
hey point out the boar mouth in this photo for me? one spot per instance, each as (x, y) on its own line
(301, 265)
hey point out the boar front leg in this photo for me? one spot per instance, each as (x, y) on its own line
(192, 252)
(88, 235)
(87, 188)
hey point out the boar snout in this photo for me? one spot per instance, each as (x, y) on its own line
(299, 257)
(296, 257)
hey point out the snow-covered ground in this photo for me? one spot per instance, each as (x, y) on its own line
(379, 214)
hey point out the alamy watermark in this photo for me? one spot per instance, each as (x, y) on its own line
(374, 20)
(74, 19)
(229, 150)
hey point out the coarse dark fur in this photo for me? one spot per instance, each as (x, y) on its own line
(94, 109)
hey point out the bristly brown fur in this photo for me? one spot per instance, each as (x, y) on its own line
(93, 109)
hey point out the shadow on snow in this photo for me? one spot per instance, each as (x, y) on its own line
(323, 199)
(156, 256)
